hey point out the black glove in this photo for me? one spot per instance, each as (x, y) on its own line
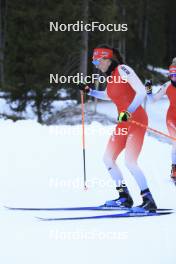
(148, 87)
(124, 116)
(84, 87)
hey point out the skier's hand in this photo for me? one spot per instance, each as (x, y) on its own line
(124, 116)
(84, 87)
(148, 87)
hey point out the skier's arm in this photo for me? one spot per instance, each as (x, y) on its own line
(156, 97)
(135, 82)
(99, 94)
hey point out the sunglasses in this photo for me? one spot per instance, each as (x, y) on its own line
(172, 75)
(97, 61)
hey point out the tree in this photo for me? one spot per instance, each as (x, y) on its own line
(2, 38)
(29, 52)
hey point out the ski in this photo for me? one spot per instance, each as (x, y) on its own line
(121, 215)
(81, 208)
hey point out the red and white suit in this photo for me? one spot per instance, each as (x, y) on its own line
(126, 96)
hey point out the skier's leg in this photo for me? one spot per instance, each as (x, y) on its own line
(115, 145)
(172, 131)
(173, 169)
(174, 152)
(133, 148)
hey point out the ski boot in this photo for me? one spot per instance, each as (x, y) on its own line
(173, 173)
(148, 203)
(124, 200)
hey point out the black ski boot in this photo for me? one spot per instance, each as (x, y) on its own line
(147, 205)
(124, 200)
(173, 173)
(148, 201)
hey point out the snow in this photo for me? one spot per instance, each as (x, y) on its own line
(42, 166)
(162, 71)
(60, 105)
(29, 113)
(6, 110)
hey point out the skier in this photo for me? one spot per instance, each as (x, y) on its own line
(169, 89)
(128, 97)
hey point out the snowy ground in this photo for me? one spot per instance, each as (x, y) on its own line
(42, 166)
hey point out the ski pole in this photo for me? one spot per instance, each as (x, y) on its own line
(83, 139)
(152, 129)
